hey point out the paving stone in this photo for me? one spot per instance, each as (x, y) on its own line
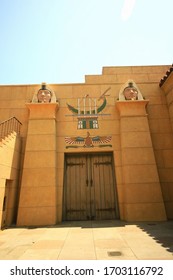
(89, 240)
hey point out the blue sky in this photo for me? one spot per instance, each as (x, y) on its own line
(60, 41)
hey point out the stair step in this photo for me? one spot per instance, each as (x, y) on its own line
(6, 139)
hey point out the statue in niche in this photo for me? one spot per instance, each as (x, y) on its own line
(44, 95)
(130, 91)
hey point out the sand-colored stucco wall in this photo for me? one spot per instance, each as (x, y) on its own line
(166, 154)
(14, 100)
(9, 178)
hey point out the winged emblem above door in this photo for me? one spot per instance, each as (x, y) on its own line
(88, 141)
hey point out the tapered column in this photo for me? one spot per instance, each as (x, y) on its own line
(142, 196)
(37, 204)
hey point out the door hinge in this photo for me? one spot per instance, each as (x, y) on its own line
(75, 163)
(102, 163)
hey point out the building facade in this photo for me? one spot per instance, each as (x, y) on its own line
(102, 149)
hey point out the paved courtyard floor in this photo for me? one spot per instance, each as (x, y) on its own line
(89, 240)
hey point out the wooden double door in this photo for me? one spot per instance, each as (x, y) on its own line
(89, 187)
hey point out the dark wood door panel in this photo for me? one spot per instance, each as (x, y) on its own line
(89, 188)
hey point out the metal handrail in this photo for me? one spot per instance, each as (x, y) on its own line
(9, 126)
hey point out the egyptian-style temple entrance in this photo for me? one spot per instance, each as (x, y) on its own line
(102, 149)
(89, 187)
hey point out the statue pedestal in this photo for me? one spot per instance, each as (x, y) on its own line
(141, 195)
(37, 202)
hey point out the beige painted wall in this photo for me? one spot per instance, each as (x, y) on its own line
(165, 154)
(9, 178)
(13, 100)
